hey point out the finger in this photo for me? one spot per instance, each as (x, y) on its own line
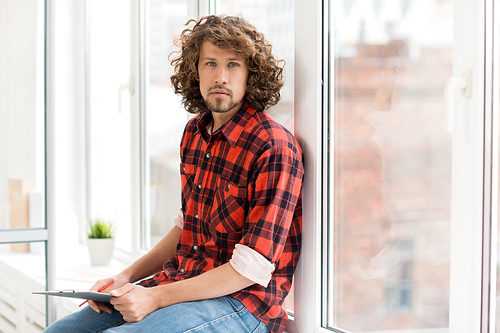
(104, 308)
(122, 291)
(93, 305)
(100, 307)
(99, 284)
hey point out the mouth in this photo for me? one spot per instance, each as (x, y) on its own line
(219, 92)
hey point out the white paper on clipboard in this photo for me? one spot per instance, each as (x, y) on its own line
(88, 295)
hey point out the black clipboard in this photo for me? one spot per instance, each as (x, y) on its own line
(88, 295)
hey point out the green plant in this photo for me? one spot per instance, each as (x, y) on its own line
(100, 229)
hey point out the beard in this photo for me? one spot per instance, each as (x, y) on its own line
(218, 106)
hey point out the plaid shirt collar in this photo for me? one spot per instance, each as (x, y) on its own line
(231, 130)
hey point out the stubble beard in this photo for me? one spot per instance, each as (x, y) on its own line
(218, 105)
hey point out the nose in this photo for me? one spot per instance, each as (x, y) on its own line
(221, 75)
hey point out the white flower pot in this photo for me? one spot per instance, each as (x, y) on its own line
(100, 250)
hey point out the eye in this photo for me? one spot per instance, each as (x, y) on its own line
(234, 64)
(210, 63)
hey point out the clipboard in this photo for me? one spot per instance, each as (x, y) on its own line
(88, 295)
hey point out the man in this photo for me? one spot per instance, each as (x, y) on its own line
(227, 265)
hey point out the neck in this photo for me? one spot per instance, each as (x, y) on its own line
(216, 124)
(219, 119)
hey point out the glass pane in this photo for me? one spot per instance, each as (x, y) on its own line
(165, 119)
(110, 154)
(392, 166)
(22, 114)
(20, 274)
(275, 19)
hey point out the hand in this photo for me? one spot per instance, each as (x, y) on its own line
(134, 302)
(99, 307)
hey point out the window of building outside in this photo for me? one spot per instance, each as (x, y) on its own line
(390, 166)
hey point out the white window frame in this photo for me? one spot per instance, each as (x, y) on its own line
(493, 98)
(309, 108)
(138, 132)
(475, 165)
(468, 152)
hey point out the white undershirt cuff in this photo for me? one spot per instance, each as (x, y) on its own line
(252, 265)
(179, 220)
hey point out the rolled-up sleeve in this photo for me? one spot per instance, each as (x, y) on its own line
(252, 265)
(277, 189)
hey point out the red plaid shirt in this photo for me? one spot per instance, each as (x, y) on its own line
(242, 185)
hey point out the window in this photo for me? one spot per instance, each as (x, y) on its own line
(110, 117)
(22, 115)
(164, 113)
(390, 160)
(26, 149)
(165, 120)
(275, 19)
(395, 193)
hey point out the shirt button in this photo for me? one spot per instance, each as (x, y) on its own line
(207, 155)
(199, 185)
(182, 270)
(195, 247)
(196, 216)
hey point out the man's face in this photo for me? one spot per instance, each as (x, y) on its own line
(223, 77)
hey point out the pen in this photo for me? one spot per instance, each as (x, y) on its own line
(107, 285)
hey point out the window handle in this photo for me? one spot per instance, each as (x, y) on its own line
(453, 84)
(125, 86)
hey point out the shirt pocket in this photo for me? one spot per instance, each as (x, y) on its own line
(227, 214)
(188, 174)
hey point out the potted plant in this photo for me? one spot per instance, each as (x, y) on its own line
(100, 242)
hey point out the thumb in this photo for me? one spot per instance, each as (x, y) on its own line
(122, 291)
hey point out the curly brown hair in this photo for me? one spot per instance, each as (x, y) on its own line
(265, 72)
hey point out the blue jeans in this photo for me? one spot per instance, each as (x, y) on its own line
(223, 314)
